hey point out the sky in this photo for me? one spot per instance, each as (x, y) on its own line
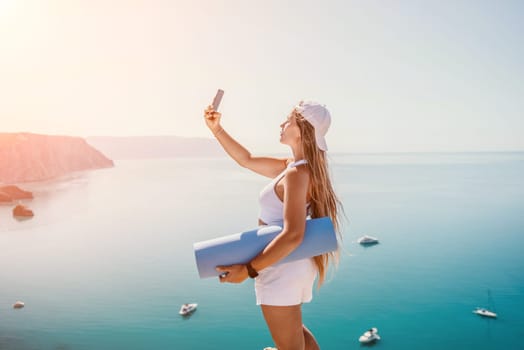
(397, 75)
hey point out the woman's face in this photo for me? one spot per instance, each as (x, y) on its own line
(290, 132)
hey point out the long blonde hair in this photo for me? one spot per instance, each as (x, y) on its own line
(324, 201)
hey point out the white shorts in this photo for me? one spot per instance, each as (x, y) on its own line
(286, 284)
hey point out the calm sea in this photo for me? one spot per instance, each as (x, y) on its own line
(107, 260)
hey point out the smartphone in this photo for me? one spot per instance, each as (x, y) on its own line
(217, 99)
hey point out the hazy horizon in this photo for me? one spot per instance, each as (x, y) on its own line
(280, 153)
(433, 76)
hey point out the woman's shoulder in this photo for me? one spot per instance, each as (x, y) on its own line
(297, 173)
(296, 180)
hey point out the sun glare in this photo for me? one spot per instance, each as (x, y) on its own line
(6, 5)
(7, 11)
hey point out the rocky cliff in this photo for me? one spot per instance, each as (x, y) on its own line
(11, 193)
(26, 157)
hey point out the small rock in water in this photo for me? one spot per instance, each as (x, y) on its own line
(21, 211)
(18, 305)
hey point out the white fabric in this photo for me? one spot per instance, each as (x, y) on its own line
(271, 207)
(287, 283)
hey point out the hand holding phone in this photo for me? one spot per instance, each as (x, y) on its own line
(217, 99)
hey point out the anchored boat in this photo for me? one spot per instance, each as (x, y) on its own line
(187, 309)
(369, 336)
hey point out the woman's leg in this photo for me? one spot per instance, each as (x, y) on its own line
(311, 342)
(287, 330)
(285, 325)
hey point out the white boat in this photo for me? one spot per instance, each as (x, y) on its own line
(369, 336)
(484, 312)
(367, 240)
(187, 309)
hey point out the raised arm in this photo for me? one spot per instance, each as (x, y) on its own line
(266, 166)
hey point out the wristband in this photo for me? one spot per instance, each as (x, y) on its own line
(252, 273)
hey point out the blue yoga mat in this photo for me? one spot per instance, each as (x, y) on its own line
(240, 248)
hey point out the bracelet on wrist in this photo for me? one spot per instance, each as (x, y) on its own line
(251, 272)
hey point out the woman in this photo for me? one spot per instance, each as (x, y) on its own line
(300, 188)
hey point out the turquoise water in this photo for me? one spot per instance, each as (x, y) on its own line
(107, 260)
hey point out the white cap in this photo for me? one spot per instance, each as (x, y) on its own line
(319, 117)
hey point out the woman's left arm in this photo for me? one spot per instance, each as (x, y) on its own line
(296, 184)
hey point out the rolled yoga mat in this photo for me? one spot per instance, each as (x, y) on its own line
(240, 248)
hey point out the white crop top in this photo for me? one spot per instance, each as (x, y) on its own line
(271, 207)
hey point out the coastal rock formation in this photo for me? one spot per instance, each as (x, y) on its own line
(11, 193)
(26, 157)
(4, 198)
(21, 211)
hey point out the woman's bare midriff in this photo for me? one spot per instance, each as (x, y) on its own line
(260, 222)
